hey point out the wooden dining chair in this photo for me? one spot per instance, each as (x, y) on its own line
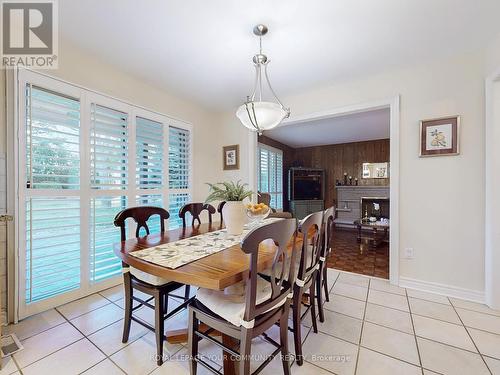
(311, 230)
(195, 209)
(254, 306)
(134, 279)
(219, 210)
(322, 275)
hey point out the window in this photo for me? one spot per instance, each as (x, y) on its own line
(84, 157)
(270, 174)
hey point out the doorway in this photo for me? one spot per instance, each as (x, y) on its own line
(350, 235)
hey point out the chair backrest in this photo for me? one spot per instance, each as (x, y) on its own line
(195, 209)
(310, 228)
(280, 235)
(328, 230)
(140, 215)
(264, 198)
(219, 210)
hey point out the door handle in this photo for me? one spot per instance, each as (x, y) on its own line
(5, 218)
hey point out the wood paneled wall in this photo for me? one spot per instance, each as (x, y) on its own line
(335, 160)
(346, 157)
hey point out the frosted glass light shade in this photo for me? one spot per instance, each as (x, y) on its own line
(267, 115)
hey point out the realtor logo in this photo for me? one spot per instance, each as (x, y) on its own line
(29, 33)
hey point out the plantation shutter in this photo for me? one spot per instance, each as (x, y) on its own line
(149, 151)
(179, 172)
(270, 174)
(263, 170)
(52, 140)
(52, 229)
(178, 158)
(279, 180)
(103, 234)
(83, 158)
(108, 148)
(109, 170)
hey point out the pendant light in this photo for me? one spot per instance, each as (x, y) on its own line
(257, 114)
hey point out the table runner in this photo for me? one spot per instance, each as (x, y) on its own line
(176, 254)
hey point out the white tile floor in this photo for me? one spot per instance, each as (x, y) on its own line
(371, 328)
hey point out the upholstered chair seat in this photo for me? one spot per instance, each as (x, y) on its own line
(147, 277)
(230, 303)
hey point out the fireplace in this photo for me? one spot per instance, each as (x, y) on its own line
(378, 207)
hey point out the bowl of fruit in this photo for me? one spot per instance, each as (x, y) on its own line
(257, 212)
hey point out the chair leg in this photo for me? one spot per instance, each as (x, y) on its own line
(319, 294)
(325, 283)
(297, 339)
(312, 301)
(159, 324)
(187, 291)
(245, 350)
(193, 342)
(285, 354)
(127, 283)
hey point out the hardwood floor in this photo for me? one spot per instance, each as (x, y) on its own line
(349, 255)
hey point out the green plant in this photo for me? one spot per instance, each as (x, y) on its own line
(228, 191)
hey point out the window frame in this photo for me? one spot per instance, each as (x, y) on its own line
(85, 192)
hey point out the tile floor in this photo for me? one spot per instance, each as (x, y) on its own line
(371, 328)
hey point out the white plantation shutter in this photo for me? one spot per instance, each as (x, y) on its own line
(50, 200)
(179, 158)
(149, 151)
(52, 246)
(52, 140)
(279, 180)
(84, 157)
(179, 162)
(103, 234)
(176, 201)
(270, 174)
(109, 148)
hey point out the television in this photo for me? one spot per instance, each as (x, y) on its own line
(306, 184)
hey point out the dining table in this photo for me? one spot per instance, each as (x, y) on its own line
(216, 271)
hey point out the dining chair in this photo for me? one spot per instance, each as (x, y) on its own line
(322, 275)
(219, 210)
(249, 308)
(266, 199)
(195, 209)
(158, 288)
(311, 230)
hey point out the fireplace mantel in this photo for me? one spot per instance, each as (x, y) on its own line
(349, 201)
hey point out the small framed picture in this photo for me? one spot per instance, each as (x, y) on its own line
(231, 157)
(440, 137)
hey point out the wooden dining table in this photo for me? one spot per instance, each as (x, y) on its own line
(216, 271)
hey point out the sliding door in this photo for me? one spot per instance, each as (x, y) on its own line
(84, 157)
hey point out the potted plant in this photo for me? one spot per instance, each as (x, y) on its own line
(234, 209)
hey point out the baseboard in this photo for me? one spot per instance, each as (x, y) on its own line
(446, 290)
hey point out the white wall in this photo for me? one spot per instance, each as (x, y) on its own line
(492, 56)
(441, 198)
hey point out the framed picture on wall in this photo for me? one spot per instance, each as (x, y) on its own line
(231, 157)
(440, 137)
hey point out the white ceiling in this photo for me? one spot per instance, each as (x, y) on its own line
(202, 49)
(357, 127)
